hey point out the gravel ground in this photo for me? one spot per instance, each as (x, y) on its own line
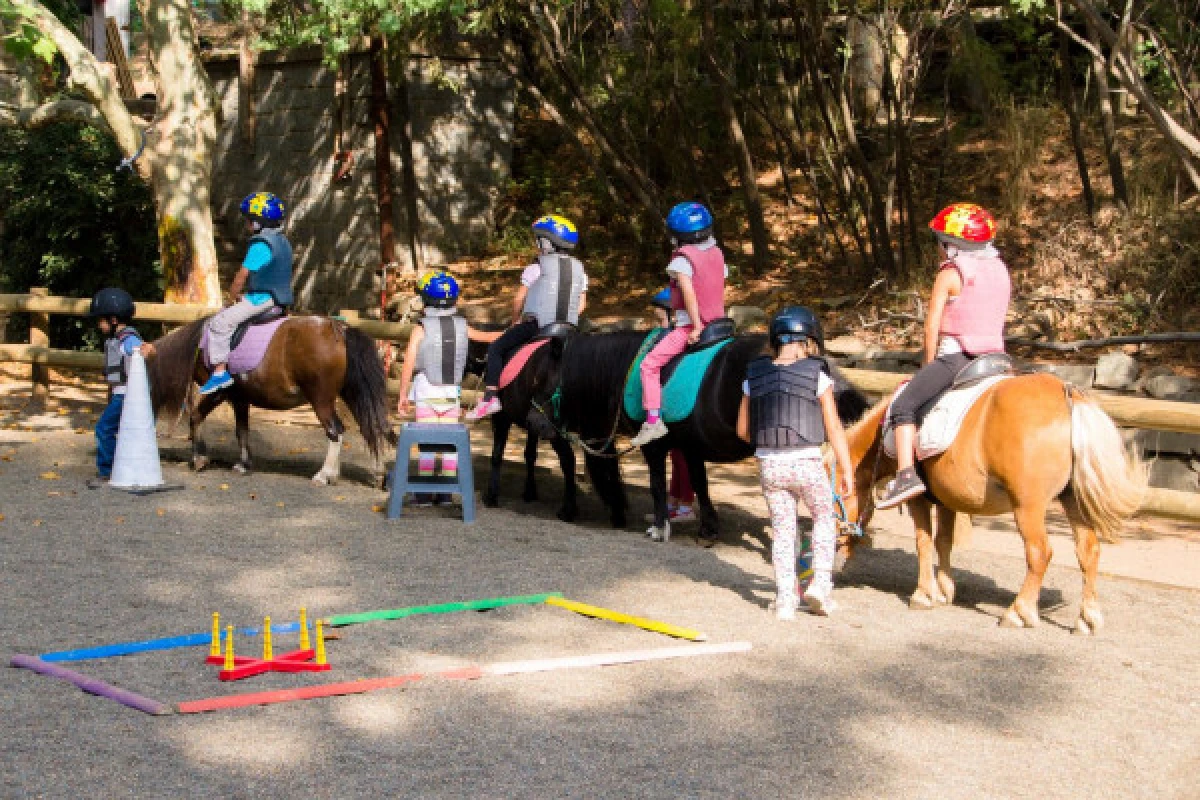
(876, 701)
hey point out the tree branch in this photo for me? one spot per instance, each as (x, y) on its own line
(61, 110)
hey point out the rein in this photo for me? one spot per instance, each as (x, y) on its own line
(843, 521)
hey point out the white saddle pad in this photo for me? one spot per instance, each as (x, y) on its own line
(943, 420)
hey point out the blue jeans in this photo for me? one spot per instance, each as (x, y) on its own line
(106, 435)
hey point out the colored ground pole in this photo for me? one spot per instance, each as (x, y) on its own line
(92, 685)
(626, 619)
(442, 608)
(148, 645)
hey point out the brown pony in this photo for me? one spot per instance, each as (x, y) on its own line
(310, 360)
(1026, 442)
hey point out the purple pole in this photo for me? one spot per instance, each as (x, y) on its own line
(91, 685)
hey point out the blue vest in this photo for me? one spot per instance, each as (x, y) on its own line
(274, 278)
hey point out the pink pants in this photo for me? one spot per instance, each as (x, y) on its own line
(681, 484)
(671, 345)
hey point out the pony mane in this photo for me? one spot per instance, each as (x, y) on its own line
(173, 366)
(593, 364)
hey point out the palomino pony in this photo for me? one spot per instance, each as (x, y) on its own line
(1027, 441)
(310, 360)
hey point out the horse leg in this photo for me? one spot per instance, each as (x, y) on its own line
(241, 416)
(1087, 550)
(655, 454)
(944, 542)
(335, 431)
(706, 511)
(1031, 522)
(569, 509)
(925, 595)
(530, 494)
(199, 413)
(500, 428)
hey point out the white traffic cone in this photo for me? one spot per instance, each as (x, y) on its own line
(135, 464)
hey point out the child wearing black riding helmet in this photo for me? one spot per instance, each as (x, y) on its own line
(788, 411)
(113, 309)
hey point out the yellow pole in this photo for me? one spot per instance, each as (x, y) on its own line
(320, 645)
(215, 648)
(267, 655)
(304, 643)
(626, 619)
(229, 663)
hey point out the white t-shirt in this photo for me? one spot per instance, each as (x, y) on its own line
(681, 266)
(824, 384)
(530, 274)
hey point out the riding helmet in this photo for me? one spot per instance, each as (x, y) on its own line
(264, 208)
(560, 231)
(690, 223)
(438, 289)
(964, 225)
(795, 324)
(112, 302)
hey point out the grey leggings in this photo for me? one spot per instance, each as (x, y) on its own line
(929, 382)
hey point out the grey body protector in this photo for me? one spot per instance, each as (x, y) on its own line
(275, 277)
(442, 355)
(554, 296)
(784, 409)
(116, 371)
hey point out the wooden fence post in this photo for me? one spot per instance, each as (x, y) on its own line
(39, 336)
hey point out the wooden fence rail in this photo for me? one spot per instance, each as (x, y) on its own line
(1132, 412)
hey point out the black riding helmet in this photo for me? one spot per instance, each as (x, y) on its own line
(112, 302)
(795, 324)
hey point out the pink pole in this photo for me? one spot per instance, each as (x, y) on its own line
(91, 685)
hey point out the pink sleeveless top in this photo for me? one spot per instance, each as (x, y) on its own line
(708, 280)
(976, 317)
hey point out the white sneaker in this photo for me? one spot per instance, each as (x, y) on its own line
(820, 600)
(662, 534)
(649, 432)
(784, 608)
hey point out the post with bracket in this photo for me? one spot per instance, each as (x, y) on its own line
(39, 336)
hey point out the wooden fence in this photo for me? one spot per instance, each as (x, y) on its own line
(1132, 412)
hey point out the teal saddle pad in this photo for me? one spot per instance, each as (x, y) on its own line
(682, 386)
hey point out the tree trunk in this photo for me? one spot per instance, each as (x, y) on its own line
(1108, 124)
(408, 171)
(247, 112)
(1066, 91)
(381, 117)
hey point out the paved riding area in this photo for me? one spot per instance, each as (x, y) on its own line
(876, 701)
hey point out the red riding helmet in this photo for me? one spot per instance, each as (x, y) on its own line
(964, 223)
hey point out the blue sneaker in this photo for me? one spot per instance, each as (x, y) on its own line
(216, 382)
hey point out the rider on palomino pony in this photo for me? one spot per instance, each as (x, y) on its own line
(698, 273)
(553, 289)
(965, 320)
(266, 274)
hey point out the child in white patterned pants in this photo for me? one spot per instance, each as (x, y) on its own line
(787, 412)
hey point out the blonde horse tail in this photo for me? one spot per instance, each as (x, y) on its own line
(1108, 481)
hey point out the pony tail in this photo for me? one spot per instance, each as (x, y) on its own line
(365, 389)
(1109, 481)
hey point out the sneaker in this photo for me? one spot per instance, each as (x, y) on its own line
(649, 432)
(905, 486)
(485, 408)
(683, 514)
(784, 608)
(662, 534)
(216, 382)
(820, 600)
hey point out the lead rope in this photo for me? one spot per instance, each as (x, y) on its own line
(844, 523)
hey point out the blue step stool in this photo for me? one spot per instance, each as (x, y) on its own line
(415, 433)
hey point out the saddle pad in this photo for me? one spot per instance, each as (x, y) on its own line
(942, 422)
(684, 374)
(517, 363)
(250, 351)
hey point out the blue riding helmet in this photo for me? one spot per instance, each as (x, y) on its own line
(264, 208)
(558, 229)
(662, 299)
(795, 324)
(438, 289)
(690, 222)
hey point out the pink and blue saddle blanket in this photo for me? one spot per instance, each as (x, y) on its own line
(249, 352)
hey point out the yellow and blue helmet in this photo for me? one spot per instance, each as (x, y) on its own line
(438, 289)
(560, 231)
(264, 207)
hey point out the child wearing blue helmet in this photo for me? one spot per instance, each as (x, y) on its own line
(553, 289)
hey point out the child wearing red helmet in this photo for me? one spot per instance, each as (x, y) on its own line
(965, 320)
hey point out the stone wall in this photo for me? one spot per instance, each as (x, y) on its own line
(462, 124)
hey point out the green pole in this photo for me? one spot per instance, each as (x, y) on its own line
(441, 608)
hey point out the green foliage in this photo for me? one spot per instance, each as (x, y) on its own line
(23, 39)
(70, 222)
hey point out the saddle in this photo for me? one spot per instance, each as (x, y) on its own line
(681, 377)
(270, 315)
(555, 330)
(250, 340)
(982, 367)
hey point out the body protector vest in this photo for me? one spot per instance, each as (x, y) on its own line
(554, 296)
(708, 282)
(116, 372)
(275, 277)
(442, 355)
(784, 409)
(976, 316)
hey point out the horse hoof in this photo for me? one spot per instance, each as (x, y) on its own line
(199, 463)
(490, 499)
(657, 534)
(618, 521)
(324, 479)
(529, 496)
(567, 514)
(1014, 619)
(946, 591)
(241, 469)
(1089, 622)
(920, 601)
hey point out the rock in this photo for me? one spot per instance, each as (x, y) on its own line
(1150, 374)
(1169, 387)
(745, 317)
(1167, 442)
(1080, 375)
(1173, 473)
(1116, 371)
(845, 346)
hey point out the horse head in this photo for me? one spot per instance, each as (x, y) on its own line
(864, 439)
